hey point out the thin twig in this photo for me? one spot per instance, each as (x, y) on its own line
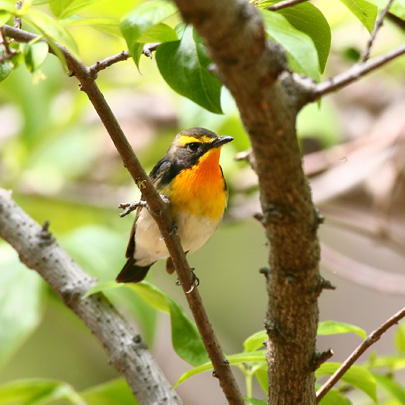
(105, 63)
(159, 211)
(369, 341)
(149, 48)
(285, 4)
(316, 91)
(378, 24)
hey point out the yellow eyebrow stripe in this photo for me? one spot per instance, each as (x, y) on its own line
(184, 140)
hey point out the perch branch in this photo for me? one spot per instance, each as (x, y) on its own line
(161, 214)
(369, 341)
(39, 251)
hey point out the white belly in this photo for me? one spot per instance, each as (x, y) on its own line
(193, 231)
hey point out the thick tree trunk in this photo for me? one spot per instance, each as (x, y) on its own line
(268, 99)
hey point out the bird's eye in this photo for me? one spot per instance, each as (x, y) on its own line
(193, 146)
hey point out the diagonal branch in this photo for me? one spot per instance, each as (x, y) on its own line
(39, 251)
(370, 340)
(378, 24)
(315, 91)
(159, 211)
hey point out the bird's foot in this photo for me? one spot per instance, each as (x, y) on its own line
(132, 206)
(195, 282)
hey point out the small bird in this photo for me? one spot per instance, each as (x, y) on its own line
(190, 178)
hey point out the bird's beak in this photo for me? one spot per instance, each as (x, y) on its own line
(221, 140)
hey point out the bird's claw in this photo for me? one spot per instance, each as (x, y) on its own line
(195, 282)
(132, 206)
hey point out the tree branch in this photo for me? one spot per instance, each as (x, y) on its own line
(256, 73)
(285, 4)
(316, 91)
(39, 251)
(378, 24)
(160, 212)
(371, 339)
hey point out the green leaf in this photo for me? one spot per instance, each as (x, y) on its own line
(392, 362)
(66, 8)
(7, 6)
(21, 303)
(184, 66)
(255, 341)
(301, 52)
(334, 328)
(334, 397)
(399, 338)
(356, 376)
(364, 10)
(4, 17)
(108, 25)
(37, 391)
(115, 392)
(159, 33)
(391, 387)
(259, 356)
(185, 337)
(6, 67)
(309, 20)
(52, 29)
(142, 18)
(35, 55)
(262, 376)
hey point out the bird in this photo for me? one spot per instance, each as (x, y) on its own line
(190, 178)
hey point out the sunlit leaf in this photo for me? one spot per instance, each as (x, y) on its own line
(66, 8)
(392, 362)
(52, 29)
(255, 341)
(159, 33)
(35, 55)
(37, 391)
(4, 16)
(334, 328)
(399, 338)
(356, 376)
(262, 376)
(144, 16)
(364, 10)
(108, 25)
(115, 392)
(21, 302)
(6, 67)
(334, 397)
(184, 66)
(301, 51)
(308, 19)
(391, 387)
(185, 337)
(259, 356)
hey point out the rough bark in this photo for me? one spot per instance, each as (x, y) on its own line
(39, 251)
(268, 99)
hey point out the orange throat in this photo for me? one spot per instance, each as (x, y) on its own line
(201, 190)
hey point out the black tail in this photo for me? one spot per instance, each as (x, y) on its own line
(131, 273)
